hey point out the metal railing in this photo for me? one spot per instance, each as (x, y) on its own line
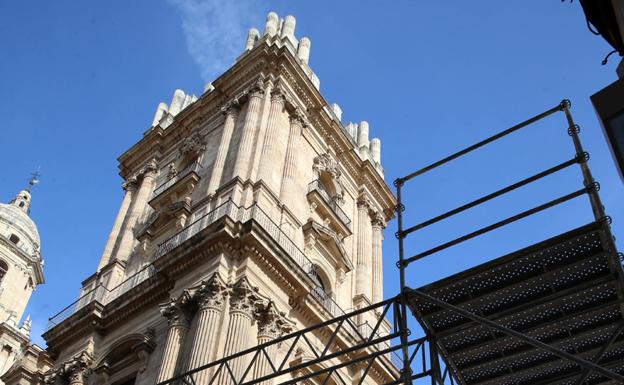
(102, 295)
(316, 186)
(193, 167)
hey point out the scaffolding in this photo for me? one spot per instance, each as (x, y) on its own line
(551, 313)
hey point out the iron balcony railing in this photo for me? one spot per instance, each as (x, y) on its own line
(316, 186)
(193, 167)
(102, 295)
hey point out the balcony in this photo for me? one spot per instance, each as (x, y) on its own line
(182, 183)
(229, 209)
(328, 206)
(102, 295)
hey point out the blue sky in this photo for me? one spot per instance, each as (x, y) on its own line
(81, 80)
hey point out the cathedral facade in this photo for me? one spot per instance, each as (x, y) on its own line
(248, 212)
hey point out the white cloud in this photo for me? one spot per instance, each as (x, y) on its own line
(216, 30)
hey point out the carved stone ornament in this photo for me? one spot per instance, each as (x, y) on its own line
(271, 322)
(130, 184)
(377, 219)
(75, 370)
(325, 165)
(244, 298)
(176, 312)
(210, 294)
(150, 167)
(193, 146)
(257, 89)
(232, 107)
(172, 170)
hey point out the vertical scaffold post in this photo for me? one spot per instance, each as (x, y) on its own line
(403, 329)
(588, 180)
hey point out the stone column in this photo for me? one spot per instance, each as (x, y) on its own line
(363, 265)
(179, 323)
(243, 301)
(292, 152)
(378, 225)
(148, 174)
(269, 159)
(210, 297)
(271, 325)
(231, 112)
(130, 187)
(241, 165)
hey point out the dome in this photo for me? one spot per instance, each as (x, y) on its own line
(16, 225)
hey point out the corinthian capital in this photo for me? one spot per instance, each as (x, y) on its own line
(77, 368)
(257, 89)
(244, 298)
(377, 219)
(130, 184)
(232, 107)
(176, 312)
(272, 323)
(363, 201)
(277, 96)
(211, 293)
(297, 117)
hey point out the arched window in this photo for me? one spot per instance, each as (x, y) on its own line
(14, 238)
(3, 269)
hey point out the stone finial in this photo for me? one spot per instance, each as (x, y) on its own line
(160, 112)
(375, 149)
(272, 22)
(208, 87)
(288, 29)
(337, 111)
(303, 49)
(362, 138)
(252, 37)
(177, 102)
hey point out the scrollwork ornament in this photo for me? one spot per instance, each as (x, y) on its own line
(211, 294)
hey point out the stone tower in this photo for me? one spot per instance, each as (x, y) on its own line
(21, 270)
(247, 212)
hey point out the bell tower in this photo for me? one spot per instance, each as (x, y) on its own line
(21, 271)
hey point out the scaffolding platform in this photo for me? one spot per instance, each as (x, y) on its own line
(566, 291)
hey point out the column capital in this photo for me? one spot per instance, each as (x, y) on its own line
(278, 96)
(210, 293)
(298, 118)
(176, 313)
(377, 220)
(244, 298)
(232, 107)
(149, 169)
(77, 368)
(130, 184)
(257, 89)
(363, 202)
(272, 323)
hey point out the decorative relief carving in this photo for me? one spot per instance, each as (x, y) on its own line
(130, 184)
(75, 370)
(210, 294)
(244, 298)
(272, 323)
(192, 146)
(172, 170)
(325, 167)
(176, 311)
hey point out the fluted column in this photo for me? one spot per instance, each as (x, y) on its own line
(378, 225)
(269, 159)
(139, 202)
(130, 187)
(363, 265)
(231, 112)
(210, 297)
(243, 157)
(292, 153)
(179, 323)
(243, 301)
(271, 325)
